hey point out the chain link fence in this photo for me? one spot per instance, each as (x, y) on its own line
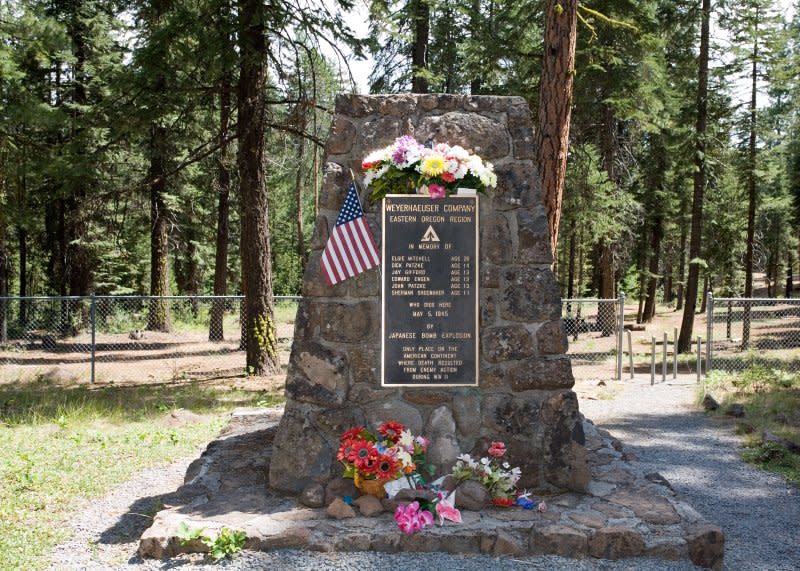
(749, 332)
(605, 340)
(592, 327)
(125, 339)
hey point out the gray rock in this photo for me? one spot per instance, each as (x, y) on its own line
(559, 540)
(706, 546)
(507, 343)
(441, 422)
(466, 409)
(313, 496)
(339, 488)
(710, 403)
(369, 506)
(472, 495)
(340, 510)
(616, 542)
(394, 410)
(409, 495)
(479, 133)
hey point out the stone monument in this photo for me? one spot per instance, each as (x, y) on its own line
(524, 378)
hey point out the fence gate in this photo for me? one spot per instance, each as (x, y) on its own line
(594, 328)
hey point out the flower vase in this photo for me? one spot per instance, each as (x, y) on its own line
(371, 488)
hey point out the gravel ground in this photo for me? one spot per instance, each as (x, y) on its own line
(758, 511)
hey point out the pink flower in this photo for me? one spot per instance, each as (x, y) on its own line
(446, 511)
(410, 519)
(542, 506)
(497, 449)
(436, 191)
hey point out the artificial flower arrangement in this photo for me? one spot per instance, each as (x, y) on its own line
(393, 452)
(408, 167)
(496, 475)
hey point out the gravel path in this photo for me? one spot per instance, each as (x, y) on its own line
(758, 511)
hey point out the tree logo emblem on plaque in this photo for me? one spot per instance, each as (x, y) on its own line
(430, 235)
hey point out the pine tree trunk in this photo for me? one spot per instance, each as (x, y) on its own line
(606, 311)
(421, 14)
(704, 296)
(751, 193)
(555, 107)
(789, 277)
(655, 258)
(262, 349)
(192, 271)
(642, 281)
(22, 239)
(687, 323)
(158, 318)
(571, 267)
(681, 262)
(78, 265)
(216, 331)
(299, 184)
(5, 275)
(668, 278)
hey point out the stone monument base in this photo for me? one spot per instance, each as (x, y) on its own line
(625, 514)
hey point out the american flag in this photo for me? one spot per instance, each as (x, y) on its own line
(351, 249)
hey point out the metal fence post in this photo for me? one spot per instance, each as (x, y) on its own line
(630, 351)
(699, 357)
(92, 321)
(652, 360)
(674, 352)
(709, 330)
(664, 360)
(620, 333)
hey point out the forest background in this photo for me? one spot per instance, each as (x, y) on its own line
(125, 151)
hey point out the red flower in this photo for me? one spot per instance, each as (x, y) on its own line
(352, 434)
(363, 454)
(345, 450)
(497, 449)
(386, 468)
(391, 430)
(502, 502)
(448, 176)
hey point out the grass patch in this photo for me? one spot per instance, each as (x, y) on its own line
(771, 424)
(59, 445)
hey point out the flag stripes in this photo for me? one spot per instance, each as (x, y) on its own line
(351, 248)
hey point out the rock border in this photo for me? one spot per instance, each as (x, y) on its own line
(626, 513)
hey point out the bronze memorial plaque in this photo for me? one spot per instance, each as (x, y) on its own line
(430, 291)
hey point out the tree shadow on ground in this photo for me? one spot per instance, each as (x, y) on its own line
(42, 401)
(700, 457)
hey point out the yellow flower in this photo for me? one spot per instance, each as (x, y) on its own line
(433, 164)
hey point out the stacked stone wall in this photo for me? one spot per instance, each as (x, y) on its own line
(523, 397)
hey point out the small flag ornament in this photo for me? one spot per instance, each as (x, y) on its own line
(351, 249)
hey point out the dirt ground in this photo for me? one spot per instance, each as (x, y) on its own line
(179, 356)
